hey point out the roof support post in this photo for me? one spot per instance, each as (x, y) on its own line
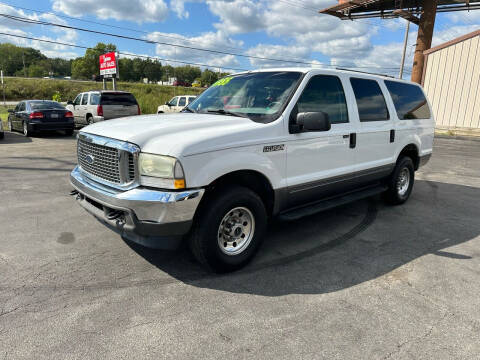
(424, 38)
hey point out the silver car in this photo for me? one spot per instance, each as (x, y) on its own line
(93, 106)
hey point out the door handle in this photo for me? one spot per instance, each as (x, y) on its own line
(353, 140)
(392, 136)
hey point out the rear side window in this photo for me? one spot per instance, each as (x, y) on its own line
(94, 99)
(182, 101)
(118, 99)
(409, 100)
(324, 93)
(370, 101)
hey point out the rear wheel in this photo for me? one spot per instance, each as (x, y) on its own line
(400, 183)
(89, 120)
(229, 229)
(26, 131)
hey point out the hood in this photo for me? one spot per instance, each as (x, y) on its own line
(181, 134)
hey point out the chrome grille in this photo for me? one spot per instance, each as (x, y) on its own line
(105, 163)
(131, 168)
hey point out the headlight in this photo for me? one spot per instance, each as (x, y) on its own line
(161, 171)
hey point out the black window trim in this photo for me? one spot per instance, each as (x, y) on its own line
(291, 121)
(381, 91)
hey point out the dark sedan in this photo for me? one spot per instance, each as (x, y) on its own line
(32, 116)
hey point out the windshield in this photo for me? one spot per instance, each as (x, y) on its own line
(261, 96)
(45, 105)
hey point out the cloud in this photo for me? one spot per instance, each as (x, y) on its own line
(210, 40)
(238, 16)
(178, 7)
(133, 10)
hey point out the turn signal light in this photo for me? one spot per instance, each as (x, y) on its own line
(99, 110)
(36, 115)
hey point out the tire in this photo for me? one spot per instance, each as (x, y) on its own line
(401, 182)
(228, 229)
(69, 132)
(26, 132)
(89, 120)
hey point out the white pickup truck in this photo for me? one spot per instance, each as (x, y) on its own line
(280, 143)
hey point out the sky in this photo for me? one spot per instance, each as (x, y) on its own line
(287, 30)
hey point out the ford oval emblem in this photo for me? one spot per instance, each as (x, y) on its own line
(89, 159)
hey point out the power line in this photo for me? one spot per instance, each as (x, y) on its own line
(122, 53)
(40, 22)
(104, 24)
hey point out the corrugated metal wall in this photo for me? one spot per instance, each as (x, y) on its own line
(452, 84)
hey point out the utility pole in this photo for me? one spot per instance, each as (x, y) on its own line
(400, 75)
(424, 38)
(3, 87)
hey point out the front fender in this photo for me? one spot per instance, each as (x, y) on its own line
(202, 169)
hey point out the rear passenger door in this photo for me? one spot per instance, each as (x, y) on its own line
(320, 163)
(82, 108)
(182, 102)
(376, 134)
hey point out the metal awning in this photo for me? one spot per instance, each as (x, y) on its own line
(358, 9)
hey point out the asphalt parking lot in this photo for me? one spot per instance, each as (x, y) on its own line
(364, 281)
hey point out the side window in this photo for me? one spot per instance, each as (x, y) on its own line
(324, 93)
(17, 108)
(409, 100)
(182, 101)
(370, 100)
(85, 99)
(94, 99)
(174, 101)
(21, 106)
(77, 100)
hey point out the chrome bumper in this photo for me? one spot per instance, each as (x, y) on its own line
(146, 216)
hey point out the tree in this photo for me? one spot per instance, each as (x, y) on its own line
(35, 70)
(208, 77)
(88, 65)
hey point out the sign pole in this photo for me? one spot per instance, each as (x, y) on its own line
(3, 87)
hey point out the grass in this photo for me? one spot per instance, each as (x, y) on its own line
(4, 115)
(149, 96)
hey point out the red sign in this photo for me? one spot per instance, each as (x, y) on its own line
(108, 64)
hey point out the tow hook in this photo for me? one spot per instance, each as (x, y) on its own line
(73, 192)
(113, 214)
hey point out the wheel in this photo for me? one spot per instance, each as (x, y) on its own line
(400, 183)
(89, 120)
(26, 132)
(229, 229)
(69, 132)
(160, 112)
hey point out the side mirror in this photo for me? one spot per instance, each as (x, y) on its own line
(167, 103)
(69, 102)
(313, 121)
(10, 111)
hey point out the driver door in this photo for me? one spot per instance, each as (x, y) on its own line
(320, 163)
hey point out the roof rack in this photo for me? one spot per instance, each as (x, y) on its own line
(366, 72)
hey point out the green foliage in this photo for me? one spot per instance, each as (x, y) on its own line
(57, 96)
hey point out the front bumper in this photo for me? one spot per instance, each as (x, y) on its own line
(153, 218)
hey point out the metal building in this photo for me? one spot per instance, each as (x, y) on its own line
(451, 79)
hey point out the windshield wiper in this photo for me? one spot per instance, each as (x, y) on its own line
(226, 112)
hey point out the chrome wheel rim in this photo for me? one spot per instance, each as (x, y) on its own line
(236, 231)
(403, 181)
(25, 129)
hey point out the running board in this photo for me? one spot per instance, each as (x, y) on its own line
(327, 204)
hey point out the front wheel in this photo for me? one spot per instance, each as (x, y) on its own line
(229, 229)
(400, 183)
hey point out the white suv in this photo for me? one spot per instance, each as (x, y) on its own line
(93, 106)
(176, 104)
(280, 143)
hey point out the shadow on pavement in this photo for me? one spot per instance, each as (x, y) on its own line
(343, 247)
(14, 138)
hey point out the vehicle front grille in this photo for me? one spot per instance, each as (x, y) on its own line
(131, 168)
(105, 164)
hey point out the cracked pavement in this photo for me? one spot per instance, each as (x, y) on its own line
(364, 281)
